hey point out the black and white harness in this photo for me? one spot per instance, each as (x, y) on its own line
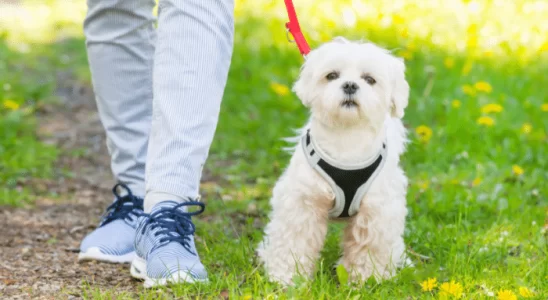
(349, 183)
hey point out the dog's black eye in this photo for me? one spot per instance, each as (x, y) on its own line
(332, 76)
(370, 80)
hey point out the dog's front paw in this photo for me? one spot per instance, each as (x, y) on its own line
(360, 273)
(273, 265)
(284, 280)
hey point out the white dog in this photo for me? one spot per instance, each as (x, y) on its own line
(345, 166)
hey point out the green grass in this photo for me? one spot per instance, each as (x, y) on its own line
(479, 222)
(28, 81)
(32, 54)
(23, 86)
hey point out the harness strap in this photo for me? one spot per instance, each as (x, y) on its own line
(295, 29)
(349, 183)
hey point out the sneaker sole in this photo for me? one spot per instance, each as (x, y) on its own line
(138, 270)
(95, 253)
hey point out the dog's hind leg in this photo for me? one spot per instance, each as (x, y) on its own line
(293, 238)
(373, 240)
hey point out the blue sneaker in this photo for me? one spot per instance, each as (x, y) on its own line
(112, 240)
(164, 244)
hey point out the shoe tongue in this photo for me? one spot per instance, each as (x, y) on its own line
(167, 204)
(128, 204)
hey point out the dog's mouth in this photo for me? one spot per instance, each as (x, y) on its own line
(349, 103)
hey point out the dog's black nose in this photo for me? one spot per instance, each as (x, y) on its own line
(350, 87)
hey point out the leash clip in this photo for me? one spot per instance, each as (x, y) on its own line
(293, 27)
(287, 35)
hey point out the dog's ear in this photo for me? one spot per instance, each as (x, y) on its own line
(301, 88)
(400, 89)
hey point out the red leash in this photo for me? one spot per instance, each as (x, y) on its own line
(295, 30)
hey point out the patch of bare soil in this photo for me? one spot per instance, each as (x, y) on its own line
(39, 244)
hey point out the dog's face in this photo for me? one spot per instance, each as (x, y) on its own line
(347, 83)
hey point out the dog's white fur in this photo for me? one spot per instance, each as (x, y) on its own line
(373, 242)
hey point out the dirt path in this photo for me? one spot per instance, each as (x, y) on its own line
(39, 244)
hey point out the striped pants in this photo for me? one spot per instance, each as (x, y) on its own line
(158, 91)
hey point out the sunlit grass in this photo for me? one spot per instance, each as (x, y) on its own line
(40, 21)
(28, 71)
(514, 31)
(511, 30)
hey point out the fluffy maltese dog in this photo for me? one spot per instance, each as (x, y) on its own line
(345, 166)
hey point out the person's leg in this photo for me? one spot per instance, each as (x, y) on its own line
(191, 64)
(194, 49)
(120, 41)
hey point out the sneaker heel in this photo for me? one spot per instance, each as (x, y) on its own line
(138, 268)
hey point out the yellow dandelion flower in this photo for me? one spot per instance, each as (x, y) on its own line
(468, 90)
(483, 86)
(525, 292)
(544, 107)
(544, 47)
(451, 289)
(472, 41)
(407, 54)
(10, 104)
(424, 185)
(486, 121)
(449, 63)
(424, 132)
(472, 28)
(517, 170)
(491, 108)
(279, 89)
(330, 23)
(398, 19)
(527, 128)
(506, 295)
(411, 46)
(456, 103)
(476, 181)
(404, 33)
(324, 37)
(488, 53)
(429, 284)
(467, 68)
